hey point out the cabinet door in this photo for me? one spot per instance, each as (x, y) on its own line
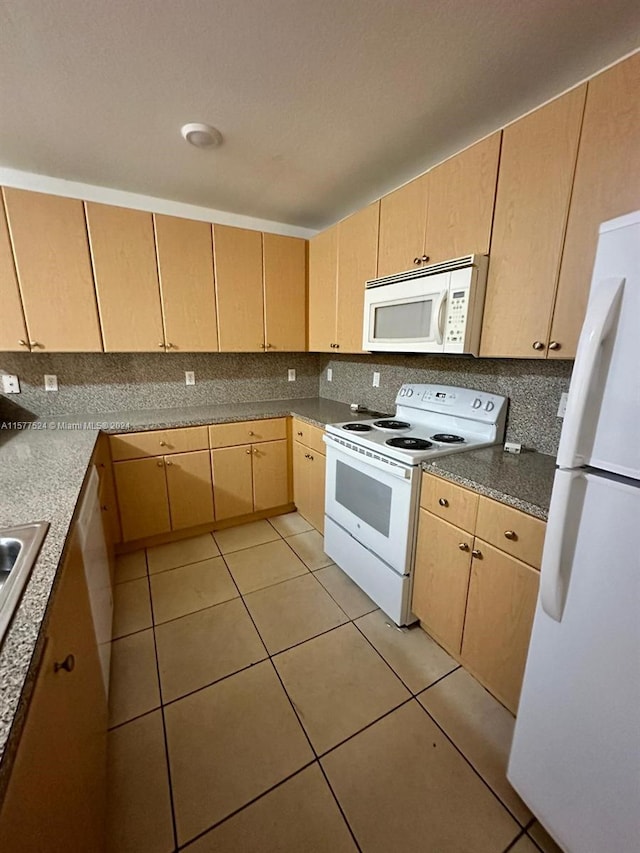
(185, 269)
(403, 221)
(534, 187)
(270, 475)
(462, 192)
(607, 184)
(441, 579)
(285, 293)
(190, 489)
(357, 263)
(232, 481)
(500, 607)
(316, 475)
(55, 799)
(142, 498)
(13, 332)
(323, 282)
(238, 264)
(301, 480)
(124, 265)
(51, 252)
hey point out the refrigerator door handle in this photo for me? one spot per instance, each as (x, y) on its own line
(569, 489)
(600, 316)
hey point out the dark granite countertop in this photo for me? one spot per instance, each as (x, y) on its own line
(42, 470)
(523, 481)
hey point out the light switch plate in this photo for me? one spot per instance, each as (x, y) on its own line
(189, 377)
(50, 382)
(291, 374)
(376, 379)
(329, 374)
(562, 405)
(10, 383)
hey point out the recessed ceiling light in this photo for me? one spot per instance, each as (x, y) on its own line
(201, 135)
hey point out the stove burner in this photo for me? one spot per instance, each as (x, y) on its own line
(391, 424)
(447, 438)
(358, 427)
(409, 443)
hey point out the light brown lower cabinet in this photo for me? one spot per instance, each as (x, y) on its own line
(55, 799)
(163, 493)
(308, 484)
(250, 478)
(476, 598)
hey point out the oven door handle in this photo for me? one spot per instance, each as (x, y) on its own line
(400, 472)
(441, 316)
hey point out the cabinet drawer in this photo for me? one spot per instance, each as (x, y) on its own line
(510, 530)
(309, 435)
(455, 504)
(245, 432)
(137, 445)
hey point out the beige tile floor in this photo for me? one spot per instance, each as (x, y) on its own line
(260, 702)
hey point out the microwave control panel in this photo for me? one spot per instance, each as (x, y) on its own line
(456, 320)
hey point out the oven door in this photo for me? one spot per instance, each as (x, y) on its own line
(374, 501)
(407, 316)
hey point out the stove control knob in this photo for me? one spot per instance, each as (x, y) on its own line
(477, 403)
(409, 392)
(402, 392)
(489, 406)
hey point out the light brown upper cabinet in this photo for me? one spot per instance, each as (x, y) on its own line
(323, 282)
(13, 332)
(285, 293)
(357, 263)
(534, 188)
(185, 269)
(607, 184)
(51, 252)
(462, 193)
(126, 275)
(238, 265)
(403, 224)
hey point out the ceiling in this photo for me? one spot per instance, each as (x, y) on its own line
(324, 106)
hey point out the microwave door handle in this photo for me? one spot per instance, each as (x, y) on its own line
(441, 317)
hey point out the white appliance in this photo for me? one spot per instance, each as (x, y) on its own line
(97, 573)
(373, 482)
(437, 308)
(575, 758)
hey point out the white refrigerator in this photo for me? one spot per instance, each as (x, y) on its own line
(575, 757)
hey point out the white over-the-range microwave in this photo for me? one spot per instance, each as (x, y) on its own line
(437, 308)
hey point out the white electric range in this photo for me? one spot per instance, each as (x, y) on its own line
(373, 482)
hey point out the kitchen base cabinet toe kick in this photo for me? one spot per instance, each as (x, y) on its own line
(476, 582)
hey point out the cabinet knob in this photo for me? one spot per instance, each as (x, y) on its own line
(163, 444)
(104, 508)
(554, 345)
(443, 502)
(67, 664)
(337, 346)
(34, 344)
(538, 345)
(298, 433)
(424, 259)
(255, 450)
(511, 534)
(161, 344)
(248, 450)
(169, 346)
(251, 432)
(267, 346)
(463, 546)
(159, 463)
(417, 261)
(476, 553)
(23, 343)
(168, 462)
(311, 457)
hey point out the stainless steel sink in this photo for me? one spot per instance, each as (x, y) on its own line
(19, 547)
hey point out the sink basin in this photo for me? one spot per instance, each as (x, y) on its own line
(19, 547)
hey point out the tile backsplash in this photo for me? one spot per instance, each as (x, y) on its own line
(533, 387)
(110, 382)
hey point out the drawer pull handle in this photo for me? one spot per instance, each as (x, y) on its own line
(511, 534)
(463, 546)
(67, 664)
(443, 502)
(476, 553)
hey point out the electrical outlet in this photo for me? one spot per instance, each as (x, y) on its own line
(562, 405)
(329, 374)
(10, 383)
(50, 382)
(189, 377)
(376, 379)
(291, 374)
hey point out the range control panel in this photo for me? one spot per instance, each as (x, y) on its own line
(462, 402)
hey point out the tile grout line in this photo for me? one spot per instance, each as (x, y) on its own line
(164, 723)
